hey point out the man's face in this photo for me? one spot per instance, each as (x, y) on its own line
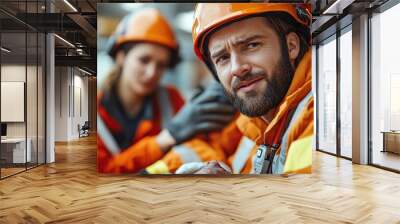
(251, 65)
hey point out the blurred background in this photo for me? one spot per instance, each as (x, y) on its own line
(187, 75)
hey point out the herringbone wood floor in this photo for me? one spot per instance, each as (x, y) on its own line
(70, 191)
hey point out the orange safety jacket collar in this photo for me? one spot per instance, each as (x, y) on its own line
(113, 115)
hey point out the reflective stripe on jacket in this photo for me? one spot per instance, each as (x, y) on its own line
(203, 148)
(142, 149)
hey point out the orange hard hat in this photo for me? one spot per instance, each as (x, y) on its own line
(147, 25)
(211, 16)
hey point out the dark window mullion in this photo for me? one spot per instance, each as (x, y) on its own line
(26, 86)
(369, 96)
(338, 73)
(317, 97)
(37, 90)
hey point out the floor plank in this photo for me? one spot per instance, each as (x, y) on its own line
(71, 191)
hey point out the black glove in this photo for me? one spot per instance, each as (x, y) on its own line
(209, 111)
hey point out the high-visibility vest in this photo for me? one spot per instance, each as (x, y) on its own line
(304, 159)
(298, 160)
(300, 157)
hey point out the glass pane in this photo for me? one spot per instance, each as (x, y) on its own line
(31, 97)
(346, 94)
(385, 86)
(13, 86)
(23, 81)
(327, 96)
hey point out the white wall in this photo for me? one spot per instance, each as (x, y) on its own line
(61, 103)
(71, 94)
(13, 73)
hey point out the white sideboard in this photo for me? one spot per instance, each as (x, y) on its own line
(16, 146)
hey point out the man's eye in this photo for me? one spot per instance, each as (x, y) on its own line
(222, 59)
(253, 45)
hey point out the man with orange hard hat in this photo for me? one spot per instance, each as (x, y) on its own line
(260, 53)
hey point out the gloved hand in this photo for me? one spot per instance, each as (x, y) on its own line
(209, 111)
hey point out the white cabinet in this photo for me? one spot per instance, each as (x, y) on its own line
(15, 148)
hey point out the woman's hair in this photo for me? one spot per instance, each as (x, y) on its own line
(112, 78)
(115, 73)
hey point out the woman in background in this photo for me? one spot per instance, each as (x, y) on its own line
(138, 118)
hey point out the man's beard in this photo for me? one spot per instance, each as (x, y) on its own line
(255, 105)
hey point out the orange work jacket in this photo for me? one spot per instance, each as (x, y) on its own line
(128, 145)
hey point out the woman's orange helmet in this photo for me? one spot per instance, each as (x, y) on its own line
(147, 25)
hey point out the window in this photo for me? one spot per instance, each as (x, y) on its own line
(385, 89)
(327, 95)
(346, 92)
